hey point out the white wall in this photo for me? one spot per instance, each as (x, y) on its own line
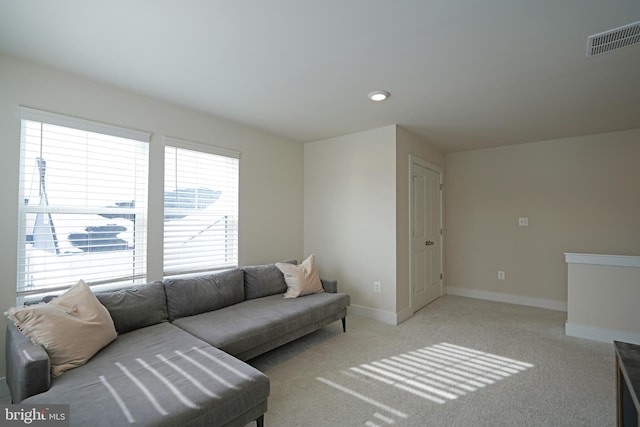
(580, 194)
(350, 215)
(271, 174)
(357, 215)
(603, 295)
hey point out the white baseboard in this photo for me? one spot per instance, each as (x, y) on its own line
(375, 314)
(508, 298)
(600, 334)
(404, 314)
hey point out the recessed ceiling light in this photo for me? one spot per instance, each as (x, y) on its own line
(378, 95)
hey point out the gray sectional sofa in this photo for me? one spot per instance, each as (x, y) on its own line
(179, 358)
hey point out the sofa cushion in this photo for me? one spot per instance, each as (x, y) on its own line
(301, 279)
(195, 295)
(329, 285)
(71, 328)
(264, 280)
(243, 327)
(159, 376)
(137, 306)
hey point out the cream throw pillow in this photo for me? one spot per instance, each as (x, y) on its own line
(301, 279)
(71, 328)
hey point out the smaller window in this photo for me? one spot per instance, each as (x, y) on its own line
(200, 208)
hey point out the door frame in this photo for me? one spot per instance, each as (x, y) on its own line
(420, 162)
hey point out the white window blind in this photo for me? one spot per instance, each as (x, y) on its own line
(83, 204)
(200, 208)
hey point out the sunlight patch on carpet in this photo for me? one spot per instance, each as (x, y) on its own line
(438, 373)
(364, 398)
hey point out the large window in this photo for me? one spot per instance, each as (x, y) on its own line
(83, 199)
(200, 208)
(83, 205)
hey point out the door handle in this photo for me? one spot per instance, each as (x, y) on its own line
(429, 243)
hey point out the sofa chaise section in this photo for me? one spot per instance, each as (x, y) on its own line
(160, 376)
(153, 374)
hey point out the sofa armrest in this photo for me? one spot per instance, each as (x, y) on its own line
(27, 366)
(330, 286)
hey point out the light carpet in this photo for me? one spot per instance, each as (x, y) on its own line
(457, 362)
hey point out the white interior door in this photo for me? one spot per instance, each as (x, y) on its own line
(425, 236)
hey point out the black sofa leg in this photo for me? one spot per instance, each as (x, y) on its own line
(344, 324)
(260, 421)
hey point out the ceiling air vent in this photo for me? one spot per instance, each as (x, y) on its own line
(613, 39)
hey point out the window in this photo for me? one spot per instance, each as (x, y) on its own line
(200, 208)
(83, 193)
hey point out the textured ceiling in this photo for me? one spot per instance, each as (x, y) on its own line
(462, 74)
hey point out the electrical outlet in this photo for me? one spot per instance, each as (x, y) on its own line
(500, 275)
(376, 286)
(523, 221)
